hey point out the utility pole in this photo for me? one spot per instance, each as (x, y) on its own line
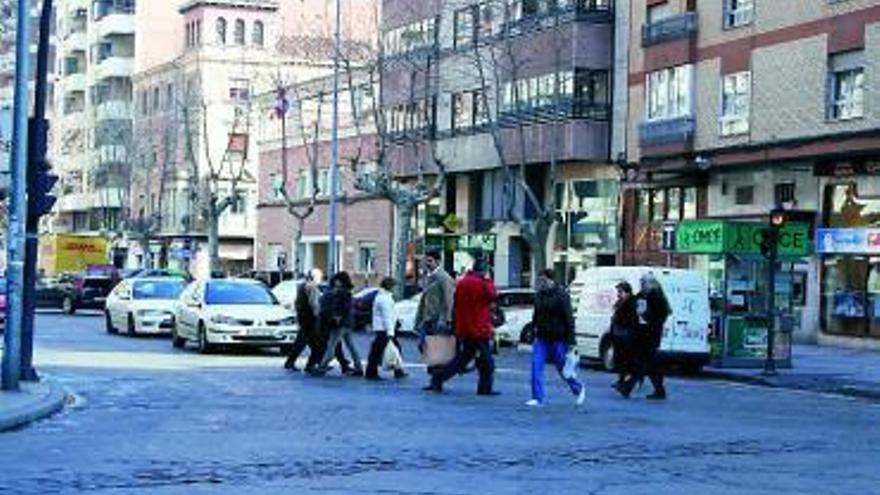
(17, 203)
(334, 170)
(39, 185)
(770, 249)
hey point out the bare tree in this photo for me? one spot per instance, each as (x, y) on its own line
(399, 149)
(299, 208)
(216, 188)
(501, 62)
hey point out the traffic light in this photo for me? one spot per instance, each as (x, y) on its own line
(778, 218)
(40, 180)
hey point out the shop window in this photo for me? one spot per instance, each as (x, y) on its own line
(745, 195)
(846, 85)
(644, 206)
(658, 205)
(673, 199)
(689, 203)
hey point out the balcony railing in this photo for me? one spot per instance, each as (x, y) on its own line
(667, 131)
(669, 29)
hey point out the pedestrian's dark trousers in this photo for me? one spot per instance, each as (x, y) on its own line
(482, 350)
(377, 351)
(319, 347)
(649, 364)
(299, 345)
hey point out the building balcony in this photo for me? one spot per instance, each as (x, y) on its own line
(678, 130)
(75, 42)
(672, 28)
(113, 110)
(118, 23)
(75, 83)
(114, 66)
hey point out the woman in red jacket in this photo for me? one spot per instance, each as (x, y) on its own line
(474, 295)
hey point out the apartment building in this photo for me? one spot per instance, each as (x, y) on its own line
(516, 95)
(736, 107)
(93, 139)
(204, 88)
(301, 166)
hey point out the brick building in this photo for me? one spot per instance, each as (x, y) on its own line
(739, 106)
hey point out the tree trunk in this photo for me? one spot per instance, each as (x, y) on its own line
(148, 255)
(214, 241)
(537, 241)
(297, 247)
(404, 221)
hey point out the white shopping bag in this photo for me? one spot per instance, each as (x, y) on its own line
(572, 360)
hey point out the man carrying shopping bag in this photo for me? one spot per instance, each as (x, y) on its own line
(553, 321)
(433, 320)
(384, 350)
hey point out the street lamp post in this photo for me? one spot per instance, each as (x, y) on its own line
(770, 247)
(334, 170)
(17, 204)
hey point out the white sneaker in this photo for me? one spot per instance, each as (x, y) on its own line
(581, 396)
(534, 403)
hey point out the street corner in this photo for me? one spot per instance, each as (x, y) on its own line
(35, 401)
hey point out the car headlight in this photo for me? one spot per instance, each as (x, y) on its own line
(287, 322)
(224, 320)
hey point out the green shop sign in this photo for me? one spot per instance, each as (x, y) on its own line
(720, 237)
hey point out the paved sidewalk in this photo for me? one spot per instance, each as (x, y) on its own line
(33, 402)
(854, 373)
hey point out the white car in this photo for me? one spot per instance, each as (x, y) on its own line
(518, 306)
(232, 312)
(285, 292)
(143, 305)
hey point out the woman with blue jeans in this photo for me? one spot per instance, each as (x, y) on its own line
(553, 322)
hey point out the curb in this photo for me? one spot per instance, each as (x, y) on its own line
(46, 404)
(841, 389)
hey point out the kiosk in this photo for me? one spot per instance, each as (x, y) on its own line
(730, 255)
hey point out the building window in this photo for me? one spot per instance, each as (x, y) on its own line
(302, 185)
(462, 111)
(198, 33)
(689, 203)
(846, 81)
(239, 32)
(736, 90)
(464, 27)
(257, 35)
(658, 12)
(674, 205)
(738, 13)
(669, 93)
(156, 99)
(658, 205)
(745, 195)
(221, 31)
(239, 90)
(411, 37)
(238, 204)
(784, 193)
(367, 257)
(169, 96)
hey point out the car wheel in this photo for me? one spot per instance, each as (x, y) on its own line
(607, 355)
(67, 305)
(177, 341)
(527, 336)
(205, 347)
(109, 323)
(131, 327)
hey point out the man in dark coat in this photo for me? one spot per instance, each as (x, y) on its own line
(474, 295)
(336, 321)
(553, 321)
(653, 310)
(624, 325)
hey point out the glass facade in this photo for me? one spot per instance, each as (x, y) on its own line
(850, 304)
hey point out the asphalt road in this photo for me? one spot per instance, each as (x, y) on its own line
(149, 419)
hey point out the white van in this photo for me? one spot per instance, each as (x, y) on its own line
(686, 335)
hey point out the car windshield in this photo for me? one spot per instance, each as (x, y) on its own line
(155, 289)
(229, 292)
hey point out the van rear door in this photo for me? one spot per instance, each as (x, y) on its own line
(687, 329)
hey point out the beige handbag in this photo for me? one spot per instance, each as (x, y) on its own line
(439, 349)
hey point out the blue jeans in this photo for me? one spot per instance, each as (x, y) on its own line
(554, 352)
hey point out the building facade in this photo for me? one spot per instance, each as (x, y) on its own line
(517, 99)
(738, 107)
(300, 165)
(93, 139)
